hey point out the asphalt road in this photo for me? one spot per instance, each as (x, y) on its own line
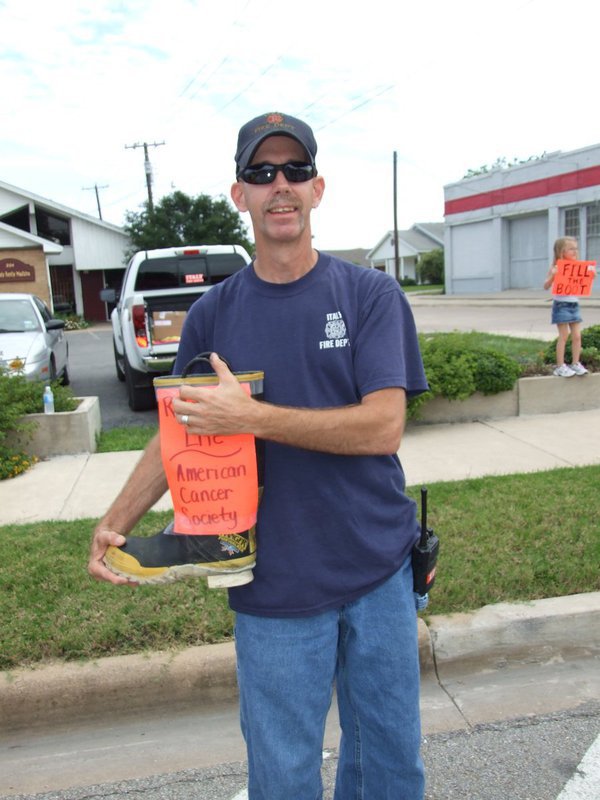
(92, 371)
(531, 758)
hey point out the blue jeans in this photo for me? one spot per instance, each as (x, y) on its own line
(286, 672)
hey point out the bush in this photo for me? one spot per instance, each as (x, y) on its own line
(19, 397)
(430, 268)
(495, 372)
(73, 322)
(590, 348)
(456, 369)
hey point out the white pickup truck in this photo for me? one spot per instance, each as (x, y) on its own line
(159, 286)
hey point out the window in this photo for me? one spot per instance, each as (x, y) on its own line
(51, 226)
(572, 227)
(19, 218)
(43, 309)
(173, 272)
(593, 233)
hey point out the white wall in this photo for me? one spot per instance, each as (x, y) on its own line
(96, 246)
(470, 247)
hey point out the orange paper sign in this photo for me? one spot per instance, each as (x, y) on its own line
(213, 479)
(573, 278)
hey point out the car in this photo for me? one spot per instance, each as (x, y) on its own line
(32, 341)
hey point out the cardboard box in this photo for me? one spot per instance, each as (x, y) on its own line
(167, 325)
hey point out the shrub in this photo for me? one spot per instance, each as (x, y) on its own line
(19, 397)
(456, 369)
(590, 348)
(431, 266)
(495, 372)
(73, 322)
(449, 368)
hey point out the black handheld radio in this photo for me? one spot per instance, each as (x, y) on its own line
(425, 553)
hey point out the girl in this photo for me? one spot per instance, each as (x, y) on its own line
(566, 314)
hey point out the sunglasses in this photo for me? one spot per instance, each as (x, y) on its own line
(294, 172)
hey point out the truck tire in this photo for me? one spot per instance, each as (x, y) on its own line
(140, 391)
(119, 363)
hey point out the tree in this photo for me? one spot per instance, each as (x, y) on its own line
(431, 267)
(501, 163)
(179, 219)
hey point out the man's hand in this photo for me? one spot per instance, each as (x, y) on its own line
(374, 426)
(100, 543)
(225, 409)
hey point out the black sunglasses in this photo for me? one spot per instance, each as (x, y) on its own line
(294, 172)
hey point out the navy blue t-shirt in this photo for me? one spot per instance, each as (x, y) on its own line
(330, 528)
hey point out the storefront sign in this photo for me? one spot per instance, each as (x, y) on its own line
(13, 271)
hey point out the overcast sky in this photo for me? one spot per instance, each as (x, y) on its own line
(447, 85)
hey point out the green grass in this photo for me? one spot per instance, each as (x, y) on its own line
(509, 538)
(512, 346)
(51, 609)
(131, 438)
(515, 538)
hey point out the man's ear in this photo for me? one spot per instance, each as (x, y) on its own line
(318, 189)
(237, 195)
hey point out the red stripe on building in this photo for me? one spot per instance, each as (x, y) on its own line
(567, 182)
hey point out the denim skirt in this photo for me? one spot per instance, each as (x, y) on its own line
(564, 311)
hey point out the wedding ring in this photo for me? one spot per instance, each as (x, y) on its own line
(185, 419)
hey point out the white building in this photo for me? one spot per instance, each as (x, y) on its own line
(422, 238)
(67, 256)
(501, 225)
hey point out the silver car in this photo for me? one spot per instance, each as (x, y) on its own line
(32, 342)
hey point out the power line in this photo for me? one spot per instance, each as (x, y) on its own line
(363, 102)
(248, 86)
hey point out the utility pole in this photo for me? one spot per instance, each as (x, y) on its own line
(96, 187)
(147, 167)
(396, 254)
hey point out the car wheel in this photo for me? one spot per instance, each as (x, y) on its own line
(65, 378)
(140, 393)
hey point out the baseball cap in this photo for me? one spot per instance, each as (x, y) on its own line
(273, 124)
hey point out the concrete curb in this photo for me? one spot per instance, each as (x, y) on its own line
(531, 632)
(491, 637)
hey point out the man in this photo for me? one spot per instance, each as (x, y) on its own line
(331, 600)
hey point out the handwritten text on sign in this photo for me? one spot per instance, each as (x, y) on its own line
(213, 479)
(574, 278)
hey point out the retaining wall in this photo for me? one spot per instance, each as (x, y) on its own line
(540, 395)
(62, 433)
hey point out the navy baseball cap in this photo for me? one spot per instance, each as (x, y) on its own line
(253, 133)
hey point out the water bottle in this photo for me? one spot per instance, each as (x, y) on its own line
(48, 401)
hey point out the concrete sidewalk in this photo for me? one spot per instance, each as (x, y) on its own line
(80, 486)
